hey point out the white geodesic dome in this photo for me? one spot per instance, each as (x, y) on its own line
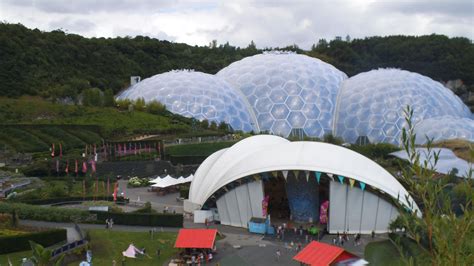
(445, 128)
(194, 94)
(372, 104)
(287, 91)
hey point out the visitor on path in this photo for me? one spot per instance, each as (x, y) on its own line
(209, 256)
(278, 254)
(373, 234)
(166, 209)
(201, 257)
(193, 260)
(111, 223)
(107, 223)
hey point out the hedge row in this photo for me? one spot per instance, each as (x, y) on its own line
(49, 214)
(186, 160)
(9, 244)
(70, 199)
(158, 219)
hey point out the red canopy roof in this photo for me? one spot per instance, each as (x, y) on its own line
(321, 254)
(196, 238)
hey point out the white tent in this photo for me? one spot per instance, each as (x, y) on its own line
(159, 179)
(165, 182)
(266, 153)
(131, 251)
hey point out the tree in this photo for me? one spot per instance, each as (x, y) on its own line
(109, 100)
(140, 105)
(204, 124)
(443, 237)
(42, 256)
(213, 125)
(155, 107)
(223, 126)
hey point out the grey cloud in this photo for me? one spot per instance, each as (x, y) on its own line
(448, 8)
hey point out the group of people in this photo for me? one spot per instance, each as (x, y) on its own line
(201, 259)
(109, 223)
(340, 239)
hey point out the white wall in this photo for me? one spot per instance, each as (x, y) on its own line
(238, 205)
(357, 211)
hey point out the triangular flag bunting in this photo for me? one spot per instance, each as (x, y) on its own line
(351, 182)
(330, 175)
(296, 173)
(362, 185)
(318, 176)
(307, 176)
(341, 178)
(285, 174)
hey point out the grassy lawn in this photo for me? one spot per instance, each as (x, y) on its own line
(15, 258)
(108, 245)
(382, 253)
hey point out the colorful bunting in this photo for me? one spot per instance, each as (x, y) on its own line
(318, 176)
(341, 178)
(351, 182)
(362, 185)
(296, 173)
(285, 174)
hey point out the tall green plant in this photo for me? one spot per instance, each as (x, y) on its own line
(443, 237)
(43, 256)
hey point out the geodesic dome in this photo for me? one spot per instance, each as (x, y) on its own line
(287, 91)
(194, 94)
(372, 104)
(445, 128)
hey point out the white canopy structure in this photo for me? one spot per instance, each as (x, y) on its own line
(168, 181)
(447, 160)
(265, 153)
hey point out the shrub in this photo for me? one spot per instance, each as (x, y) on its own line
(32, 212)
(159, 219)
(9, 244)
(145, 209)
(138, 182)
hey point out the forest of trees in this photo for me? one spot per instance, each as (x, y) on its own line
(59, 64)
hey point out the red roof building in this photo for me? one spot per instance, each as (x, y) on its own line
(196, 238)
(321, 254)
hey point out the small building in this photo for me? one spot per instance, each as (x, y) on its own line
(321, 254)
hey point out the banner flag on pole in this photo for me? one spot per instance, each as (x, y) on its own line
(57, 165)
(52, 151)
(318, 176)
(351, 182)
(60, 150)
(67, 167)
(84, 167)
(285, 174)
(307, 175)
(76, 168)
(93, 166)
(115, 191)
(341, 178)
(362, 185)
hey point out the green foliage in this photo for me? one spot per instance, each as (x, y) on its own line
(444, 237)
(155, 107)
(143, 219)
(92, 97)
(138, 182)
(329, 138)
(43, 256)
(146, 209)
(373, 151)
(15, 243)
(200, 149)
(49, 214)
(139, 105)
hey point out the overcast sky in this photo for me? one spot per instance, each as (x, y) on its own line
(268, 23)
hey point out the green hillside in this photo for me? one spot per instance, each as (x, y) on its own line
(30, 129)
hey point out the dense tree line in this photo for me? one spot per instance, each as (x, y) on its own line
(58, 64)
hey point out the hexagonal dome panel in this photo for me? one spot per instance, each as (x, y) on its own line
(195, 94)
(376, 101)
(445, 128)
(301, 84)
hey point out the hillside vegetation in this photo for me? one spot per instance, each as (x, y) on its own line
(58, 64)
(31, 124)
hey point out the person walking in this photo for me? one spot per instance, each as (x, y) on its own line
(278, 254)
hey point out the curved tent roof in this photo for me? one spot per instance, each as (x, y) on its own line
(266, 153)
